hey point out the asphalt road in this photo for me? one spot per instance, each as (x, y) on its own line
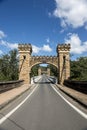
(44, 110)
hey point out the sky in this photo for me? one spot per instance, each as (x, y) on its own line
(44, 24)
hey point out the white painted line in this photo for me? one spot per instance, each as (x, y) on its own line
(75, 108)
(12, 111)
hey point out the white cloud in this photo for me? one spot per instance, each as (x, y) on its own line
(77, 46)
(48, 40)
(62, 31)
(2, 42)
(1, 52)
(9, 45)
(49, 14)
(5, 43)
(12, 45)
(2, 34)
(86, 27)
(35, 49)
(44, 48)
(71, 12)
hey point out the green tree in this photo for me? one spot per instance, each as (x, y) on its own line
(34, 70)
(4, 67)
(9, 66)
(79, 69)
(13, 64)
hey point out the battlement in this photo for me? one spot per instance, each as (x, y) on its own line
(25, 47)
(44, 57)
(63, 47)
(61, 61)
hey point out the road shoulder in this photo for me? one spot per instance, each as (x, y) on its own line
(9, 96)
(78, 96)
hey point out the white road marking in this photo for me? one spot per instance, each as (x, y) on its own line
(75, 108)
(12, 111)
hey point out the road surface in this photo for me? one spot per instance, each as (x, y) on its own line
(43, 109)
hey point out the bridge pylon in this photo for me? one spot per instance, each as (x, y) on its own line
(63, 62)
(25, 51)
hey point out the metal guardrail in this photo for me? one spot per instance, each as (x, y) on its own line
(52, 79)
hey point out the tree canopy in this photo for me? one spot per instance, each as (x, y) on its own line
(79, 69)
(9, 66)
(34, 70)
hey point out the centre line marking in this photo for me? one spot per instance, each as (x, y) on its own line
(75, 108)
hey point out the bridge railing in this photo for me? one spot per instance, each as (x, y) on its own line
(8, 85)
(77, 85)
(35, 79)
(52, 79)
(5, 86)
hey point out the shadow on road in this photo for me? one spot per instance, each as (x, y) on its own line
(43, 82)
(15, 123)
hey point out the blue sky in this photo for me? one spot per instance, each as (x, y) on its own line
(44, 24)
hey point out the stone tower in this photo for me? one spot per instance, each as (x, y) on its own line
(39, 71)
(25, 51)
(63, 62)
(26, 61)
(48, 71)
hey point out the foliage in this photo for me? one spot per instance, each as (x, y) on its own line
(79, 69)
(9, 66)
(53, 70)
(34, 70)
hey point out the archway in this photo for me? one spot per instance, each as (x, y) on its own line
(47, 69)
(61, 61)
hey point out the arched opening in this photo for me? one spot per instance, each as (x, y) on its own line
(45, 69)
(61, 61)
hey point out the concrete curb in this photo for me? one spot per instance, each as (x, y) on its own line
(12, 99)
(15, 97)
(72, 96)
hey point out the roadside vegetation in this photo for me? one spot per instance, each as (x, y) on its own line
(9, 68)
(79, 69)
